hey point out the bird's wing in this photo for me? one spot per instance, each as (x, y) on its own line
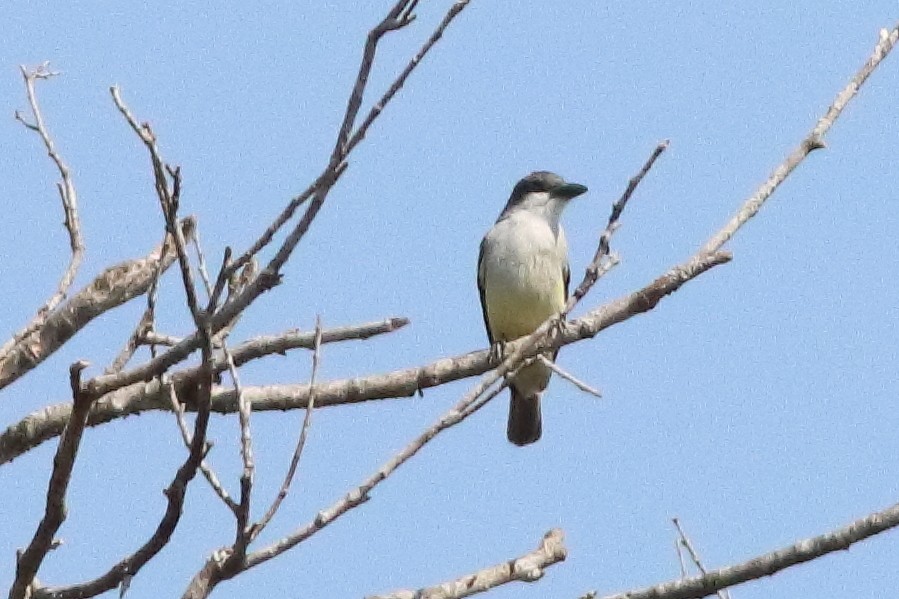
(481, 291)
(566, 277)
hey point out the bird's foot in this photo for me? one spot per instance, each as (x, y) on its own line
(497, 352)
(558, 325)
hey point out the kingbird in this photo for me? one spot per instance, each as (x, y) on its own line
(523, 280)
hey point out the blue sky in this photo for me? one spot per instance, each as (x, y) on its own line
(757, 404)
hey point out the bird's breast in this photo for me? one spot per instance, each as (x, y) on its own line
(522, 275)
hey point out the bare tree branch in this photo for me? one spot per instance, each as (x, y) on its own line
(140, 397)
(398, 17)
(527, 568)
(813, 141)
(595, 270)
(168, 200)
(201, 265)
(48, 422)
(147, 321)
(110, 289)
(397, 85)
(301, 442)
(122, 572)
(69, 199)
(227, 562)
(244, 409)
(55, 512)
(137, 336)
(359, 495)
(809, 549)
(768, 563)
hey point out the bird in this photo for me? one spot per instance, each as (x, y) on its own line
(523, 280)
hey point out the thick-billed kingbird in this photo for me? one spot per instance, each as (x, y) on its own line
(523, 280)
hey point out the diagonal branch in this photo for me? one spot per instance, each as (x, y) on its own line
(397, 85)
(527, 568)
(169, 203)
(55, 512)
(139, 397)
(768, 563)
(110, 289)
(813, 141)
(359, 495)
(227, 562)
(69, 199)
(399, 16)
(603, 250)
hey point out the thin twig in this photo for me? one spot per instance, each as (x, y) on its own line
(242, 535)
(595, 270)
(360, 494)
(680, 558)
(397, 18)
(201, 264)
(169, 198)
(148, 319)
(570, 377)
(529, 567)
(153, 294)
(186, 436)
(301, 442)
(694, 555)
(135, 340)
(55, 511)
(69, 199)
(397, 85)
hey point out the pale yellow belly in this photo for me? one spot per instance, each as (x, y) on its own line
(517, 310)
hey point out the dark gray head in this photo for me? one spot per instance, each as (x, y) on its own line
(542, 191)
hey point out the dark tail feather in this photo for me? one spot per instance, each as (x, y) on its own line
(525, 424)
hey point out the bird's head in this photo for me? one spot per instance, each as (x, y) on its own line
(543, 191)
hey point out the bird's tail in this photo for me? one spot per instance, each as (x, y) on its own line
(525, 424)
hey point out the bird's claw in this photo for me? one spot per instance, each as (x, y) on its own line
(497, 352)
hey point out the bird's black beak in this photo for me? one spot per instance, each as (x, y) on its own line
(569, 190)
